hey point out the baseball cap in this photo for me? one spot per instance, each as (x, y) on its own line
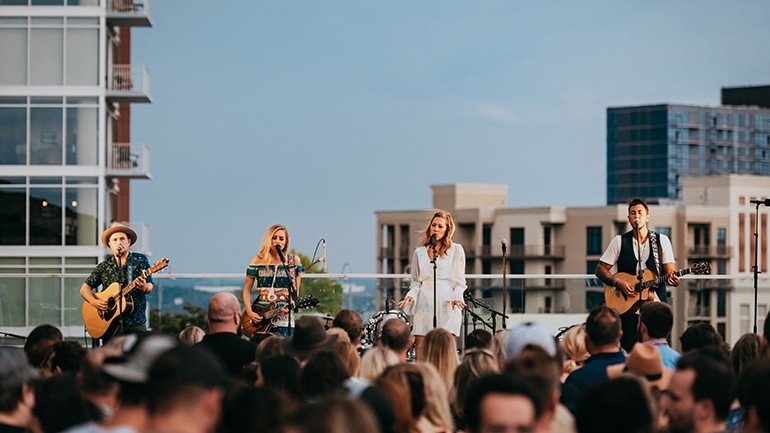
(139, 353)
(527, 334)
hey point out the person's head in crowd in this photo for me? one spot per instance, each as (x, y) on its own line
(439, 348)
(700, 392)
(39, 345)
(352, 323)
(747, 349)
(644, 361)
(322, 376)
(348, 355)
(655, 321)
(700, 335)
(281, 375)
(397, 393)
(309, 337)
(186, 386)
(498, 345)
(266, 410)
(754, 396)
(59, 404)
(336, 415)
(475, 364)
(96, 385)
(621, 404)
(497, 403)
(406, 390)
(224, 313)
(270, 346)
(376, 360)
(341, 334)
(478, 339)
(397, 337)
(573, 345)
(17, 393)
(437, 413)
(191, 335)
(603, 330)
(67, 356)
(541, 372)
(129, 365)
(526, 335)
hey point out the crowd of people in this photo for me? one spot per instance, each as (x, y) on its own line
(317, 380)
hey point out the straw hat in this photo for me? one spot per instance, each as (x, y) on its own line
(118, 228)
(645, 361)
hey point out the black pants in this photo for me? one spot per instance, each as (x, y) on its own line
(629, 323)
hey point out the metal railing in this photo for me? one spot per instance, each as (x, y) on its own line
(129, 160)
(129, 82)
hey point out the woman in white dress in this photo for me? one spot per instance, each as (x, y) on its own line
(450, 280)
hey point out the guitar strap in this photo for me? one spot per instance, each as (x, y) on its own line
(655, 247)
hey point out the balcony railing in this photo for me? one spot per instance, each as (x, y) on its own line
(709, 251)
(129, 83)
(129, 13)
(129, 160)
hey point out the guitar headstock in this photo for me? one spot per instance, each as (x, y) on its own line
(701, 268)
(309, 301)
(159, 265)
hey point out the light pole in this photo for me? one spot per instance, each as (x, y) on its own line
(347, 286)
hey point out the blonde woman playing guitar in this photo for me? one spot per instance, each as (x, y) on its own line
(622, 256)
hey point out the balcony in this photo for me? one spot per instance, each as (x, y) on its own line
(128, 83)
(128, 13)
(129, 160)
(556, 252)
(709, 252)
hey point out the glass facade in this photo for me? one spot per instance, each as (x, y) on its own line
(650, 148)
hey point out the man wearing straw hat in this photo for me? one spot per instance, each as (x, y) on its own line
(123, 267)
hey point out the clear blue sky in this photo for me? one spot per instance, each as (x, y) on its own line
(315, 114)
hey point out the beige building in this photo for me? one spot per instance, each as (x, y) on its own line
(714, 223)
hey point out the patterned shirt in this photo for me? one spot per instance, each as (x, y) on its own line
(272, 285)
(108, 272)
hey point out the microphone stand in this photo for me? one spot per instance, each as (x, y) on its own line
(292, 289)
(756, 265)
(640, 272)
(123, 277)
(435, 318)
(505, 292)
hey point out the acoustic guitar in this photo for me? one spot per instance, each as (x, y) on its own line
(102, 323)
(621, 302)
(269, 313)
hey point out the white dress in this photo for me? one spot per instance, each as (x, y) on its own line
(450, 285)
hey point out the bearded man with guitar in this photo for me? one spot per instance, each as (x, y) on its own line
(123, 267)
(623, 256)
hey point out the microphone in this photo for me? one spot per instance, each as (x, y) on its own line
(433, 240)
(636, 222)
(504, 244)
(765, 202)
(324, 256)
(280, 253)
(120, 249)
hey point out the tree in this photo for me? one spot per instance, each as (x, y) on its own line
(172, 323)
(328, 292)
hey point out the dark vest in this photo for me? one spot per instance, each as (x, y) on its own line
(627, 261)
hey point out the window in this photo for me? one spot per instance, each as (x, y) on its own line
(61, 131)
(594, 240)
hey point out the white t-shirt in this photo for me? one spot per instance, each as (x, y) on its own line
(612, 253)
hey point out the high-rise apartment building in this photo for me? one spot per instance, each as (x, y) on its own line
(651, 148)
(66, 155)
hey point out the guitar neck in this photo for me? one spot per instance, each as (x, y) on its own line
(659, 280)
(126, 290)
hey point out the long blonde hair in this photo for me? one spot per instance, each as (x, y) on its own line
(440, 350)
(437, 410)
(443, 244)
(267, 244)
